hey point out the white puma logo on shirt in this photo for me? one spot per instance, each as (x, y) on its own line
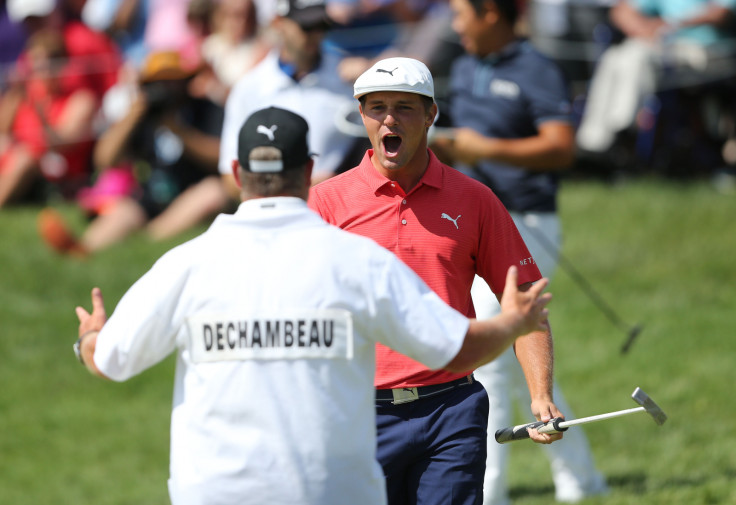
(454, 221)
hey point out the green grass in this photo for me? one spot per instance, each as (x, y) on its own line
(661, 254)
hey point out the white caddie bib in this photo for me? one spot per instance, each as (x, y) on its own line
(290, 334)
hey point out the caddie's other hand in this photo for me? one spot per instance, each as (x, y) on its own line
(527, 306)
(95, 320)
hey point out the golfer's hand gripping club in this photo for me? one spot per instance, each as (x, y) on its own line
(559, 424)
(520, 432)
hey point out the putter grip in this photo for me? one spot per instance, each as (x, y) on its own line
(520, 432)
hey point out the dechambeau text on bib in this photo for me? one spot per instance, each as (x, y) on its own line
(290, 334)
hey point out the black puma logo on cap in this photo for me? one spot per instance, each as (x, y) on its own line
(390, 72)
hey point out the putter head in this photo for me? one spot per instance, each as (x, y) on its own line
(650, 407)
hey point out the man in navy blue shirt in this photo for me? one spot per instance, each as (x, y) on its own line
(510, 108)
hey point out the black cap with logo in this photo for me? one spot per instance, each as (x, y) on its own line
(278, 128)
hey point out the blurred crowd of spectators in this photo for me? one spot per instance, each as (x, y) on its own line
(120, 104)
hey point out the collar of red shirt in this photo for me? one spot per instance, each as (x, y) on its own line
(432, 176)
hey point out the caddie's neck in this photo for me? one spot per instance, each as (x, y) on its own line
(294, 182)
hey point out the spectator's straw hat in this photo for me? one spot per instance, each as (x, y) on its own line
(165, 66)
(18, 10)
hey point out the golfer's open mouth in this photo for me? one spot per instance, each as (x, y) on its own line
(391, 144)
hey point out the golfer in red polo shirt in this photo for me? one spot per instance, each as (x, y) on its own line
(447, 228)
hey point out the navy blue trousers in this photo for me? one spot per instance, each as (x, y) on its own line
(433, 450)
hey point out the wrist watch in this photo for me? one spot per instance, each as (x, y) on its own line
(78, 345)
(78, 349)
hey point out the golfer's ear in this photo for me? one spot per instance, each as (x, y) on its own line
(236, 173)
(433, 111)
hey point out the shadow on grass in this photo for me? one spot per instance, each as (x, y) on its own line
(630, 483)
(518, 492)
(633, 483)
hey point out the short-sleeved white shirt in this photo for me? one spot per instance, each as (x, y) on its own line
(267, 422)
(315, 97)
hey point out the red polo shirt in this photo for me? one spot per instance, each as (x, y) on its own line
(447, 228)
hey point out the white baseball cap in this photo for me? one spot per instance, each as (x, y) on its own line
(18, 10)
(396, 74)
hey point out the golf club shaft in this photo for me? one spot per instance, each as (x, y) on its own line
(555, 425)
(548, 428)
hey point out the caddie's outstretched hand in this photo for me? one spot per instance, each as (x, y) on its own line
(528, 307)
(96, 320)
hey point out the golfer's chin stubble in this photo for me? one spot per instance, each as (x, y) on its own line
(385, 164)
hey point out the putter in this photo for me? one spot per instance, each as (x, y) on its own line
(559, 424)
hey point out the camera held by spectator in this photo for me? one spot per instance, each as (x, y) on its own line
(164, 81)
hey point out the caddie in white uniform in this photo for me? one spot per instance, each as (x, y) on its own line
(274, 316)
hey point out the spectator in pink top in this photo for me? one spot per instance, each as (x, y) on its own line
(168, 29)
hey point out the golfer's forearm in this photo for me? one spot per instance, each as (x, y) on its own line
(536, 356)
